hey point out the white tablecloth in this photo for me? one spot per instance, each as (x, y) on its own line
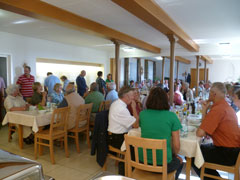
(189, 146)
(28, 118)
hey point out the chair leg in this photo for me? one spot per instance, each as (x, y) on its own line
(35, 147)
(77, 142)
(88, 139)
(66, 145)
(104, 168)
(51, 151)
(40, 147)
(202, 172)
(237, 174)
(125, 167)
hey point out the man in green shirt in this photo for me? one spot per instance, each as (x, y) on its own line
(94, 97)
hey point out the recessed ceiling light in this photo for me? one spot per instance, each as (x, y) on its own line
(224, 44)
(24, 21)
(159, 58)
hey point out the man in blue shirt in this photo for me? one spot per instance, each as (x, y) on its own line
(112, 94)
(81, 83)
(50, 82)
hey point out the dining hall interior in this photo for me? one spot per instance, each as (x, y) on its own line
(168, 65)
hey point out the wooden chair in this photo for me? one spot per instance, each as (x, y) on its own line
(105, 105)
(11, 129)
(58, 130)
(145, 170)
(83, 114)
(230, 169)
(119, 157)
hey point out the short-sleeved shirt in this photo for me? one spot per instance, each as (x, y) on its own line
(96, 98)
(120, 119)
(12, 101)
(2, 83)
(81, 85)
(57, 98)
(108, 81)
(158, 124)
(221, 124)
(101, 84)
(50, 82)
(26, 85)
(112, 96)
(36, 98)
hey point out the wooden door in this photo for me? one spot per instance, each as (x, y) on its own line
(194, 74)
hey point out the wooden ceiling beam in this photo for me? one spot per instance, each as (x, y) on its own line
(40, 10)
(181, 59)
(152, 14)
(207, 59)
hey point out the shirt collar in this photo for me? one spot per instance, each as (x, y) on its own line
(122, 102)
(223, 101)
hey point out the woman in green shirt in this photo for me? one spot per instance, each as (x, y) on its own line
(157, 122)
(109, 78)
(38, 97)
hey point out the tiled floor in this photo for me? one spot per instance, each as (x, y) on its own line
(80, 166)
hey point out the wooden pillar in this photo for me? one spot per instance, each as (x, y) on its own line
(139, 70)
(146, 69)
(163, 69)
(126, 71)
(172, 40)
(197, 74)
(154, 71)
(177, 70)
(117, 72)
(205, 71)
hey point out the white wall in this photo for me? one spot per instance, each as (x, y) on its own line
(25, 50)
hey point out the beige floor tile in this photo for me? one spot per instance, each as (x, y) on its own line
(65, 173)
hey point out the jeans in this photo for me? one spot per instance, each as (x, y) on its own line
(218, 155)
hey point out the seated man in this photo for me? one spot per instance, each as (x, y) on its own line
(222, 125)
(95, 97)
(74, 100)
(112, 94)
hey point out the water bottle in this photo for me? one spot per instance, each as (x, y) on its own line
(184, 130)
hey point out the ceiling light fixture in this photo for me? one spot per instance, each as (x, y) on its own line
(128, 49)
(159, 58)
(23, 21)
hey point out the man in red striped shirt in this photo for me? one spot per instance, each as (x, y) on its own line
(26, 81)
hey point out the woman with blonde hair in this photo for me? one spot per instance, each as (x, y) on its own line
(57, 95)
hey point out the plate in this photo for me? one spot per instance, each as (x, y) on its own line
(191, 128)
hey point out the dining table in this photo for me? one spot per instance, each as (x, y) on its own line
(190, 148)
(32, 119)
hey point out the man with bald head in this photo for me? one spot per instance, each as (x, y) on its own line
(220, 122)
(73, 100)
(81, 83)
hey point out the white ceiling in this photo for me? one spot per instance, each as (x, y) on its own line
(207, 22)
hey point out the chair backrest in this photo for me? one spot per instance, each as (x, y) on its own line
(105, 105)
(59, 119)
(83, 114)
(146, 144)
(238, 161)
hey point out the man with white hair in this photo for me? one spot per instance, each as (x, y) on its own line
(112, 94)
(187, 92)
(73, 100)
(220, 122)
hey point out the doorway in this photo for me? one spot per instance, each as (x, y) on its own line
(3, 69)
(194, 76)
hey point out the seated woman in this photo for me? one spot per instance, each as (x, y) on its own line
(57, 95)
(137, 100)
(38, 97)
(236, 100)
(157, 122)
(178, 97)
(14, 102)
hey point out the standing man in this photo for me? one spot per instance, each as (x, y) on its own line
(2, 95)
(50, 82)
(220, 122)
(25, 82)
(101, 83)
(81, 83)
